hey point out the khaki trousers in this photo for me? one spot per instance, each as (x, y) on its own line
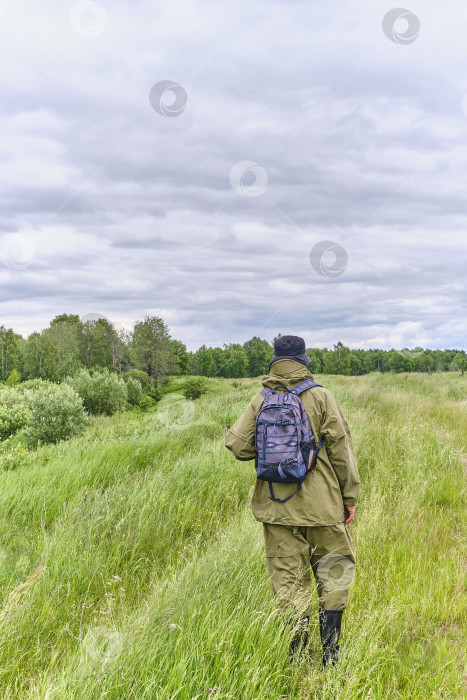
(290, 552)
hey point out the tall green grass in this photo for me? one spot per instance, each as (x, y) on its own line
(154, 583)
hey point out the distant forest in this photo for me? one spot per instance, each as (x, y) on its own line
(70, 344)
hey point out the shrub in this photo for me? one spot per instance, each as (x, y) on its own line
(14, 413)
(56, 414)
(147, 383)
(156, 393)
(195, 387)
(12, 419)
(146, 403)
(13, 457)
(102, 392)
(134, 391)
(32, 384)
(14, 378)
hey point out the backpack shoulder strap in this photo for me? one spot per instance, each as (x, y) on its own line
(267, 391)
(303, 386)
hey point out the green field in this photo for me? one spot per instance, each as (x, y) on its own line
(132, 567)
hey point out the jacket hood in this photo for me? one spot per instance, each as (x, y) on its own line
(288, 372)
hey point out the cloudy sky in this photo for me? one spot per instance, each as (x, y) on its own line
(306, 174)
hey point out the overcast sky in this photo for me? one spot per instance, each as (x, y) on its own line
(299, 128)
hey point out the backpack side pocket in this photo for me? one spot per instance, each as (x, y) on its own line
(309, 453)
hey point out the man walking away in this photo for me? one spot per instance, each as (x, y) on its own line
(305, 500)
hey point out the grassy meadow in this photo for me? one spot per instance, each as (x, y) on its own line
(131, 565)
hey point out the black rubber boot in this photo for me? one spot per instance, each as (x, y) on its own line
(330, 629)
(299, 640)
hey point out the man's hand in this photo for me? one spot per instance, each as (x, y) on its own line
(349, 514)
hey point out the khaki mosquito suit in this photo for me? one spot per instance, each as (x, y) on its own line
(308, 529)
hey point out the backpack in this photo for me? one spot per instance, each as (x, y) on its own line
(286, 449)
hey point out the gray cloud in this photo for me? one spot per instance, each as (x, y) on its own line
(131, 212)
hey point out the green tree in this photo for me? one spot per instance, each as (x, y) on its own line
(259, 354)
(195, 363)
(40, 358)
(101, 345)
(400, 363)
(9, 352)
(218, 356)
(373, 361)
(429, 362)
(316, 360)
(151, 349)
(457, 360)
(441, 359)
(119, 340)
(14, 378)
(337, 361)
(64, 334)
(71, 319)
(181, 356)
(236, 361)
(205, 362)
(355, 364)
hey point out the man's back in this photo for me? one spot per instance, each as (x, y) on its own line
(334, 481)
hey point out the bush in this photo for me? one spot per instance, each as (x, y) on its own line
(12, 457)
(134, 391)
(56, 414)
(14, 378)
(146, 403)
(195, 387)
(32, 384)
(147, 383)
(102, 392)
(14, 412)
(156, 393)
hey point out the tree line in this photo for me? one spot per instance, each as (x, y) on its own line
(70, 344)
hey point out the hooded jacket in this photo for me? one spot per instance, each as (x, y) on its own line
(333, 482)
